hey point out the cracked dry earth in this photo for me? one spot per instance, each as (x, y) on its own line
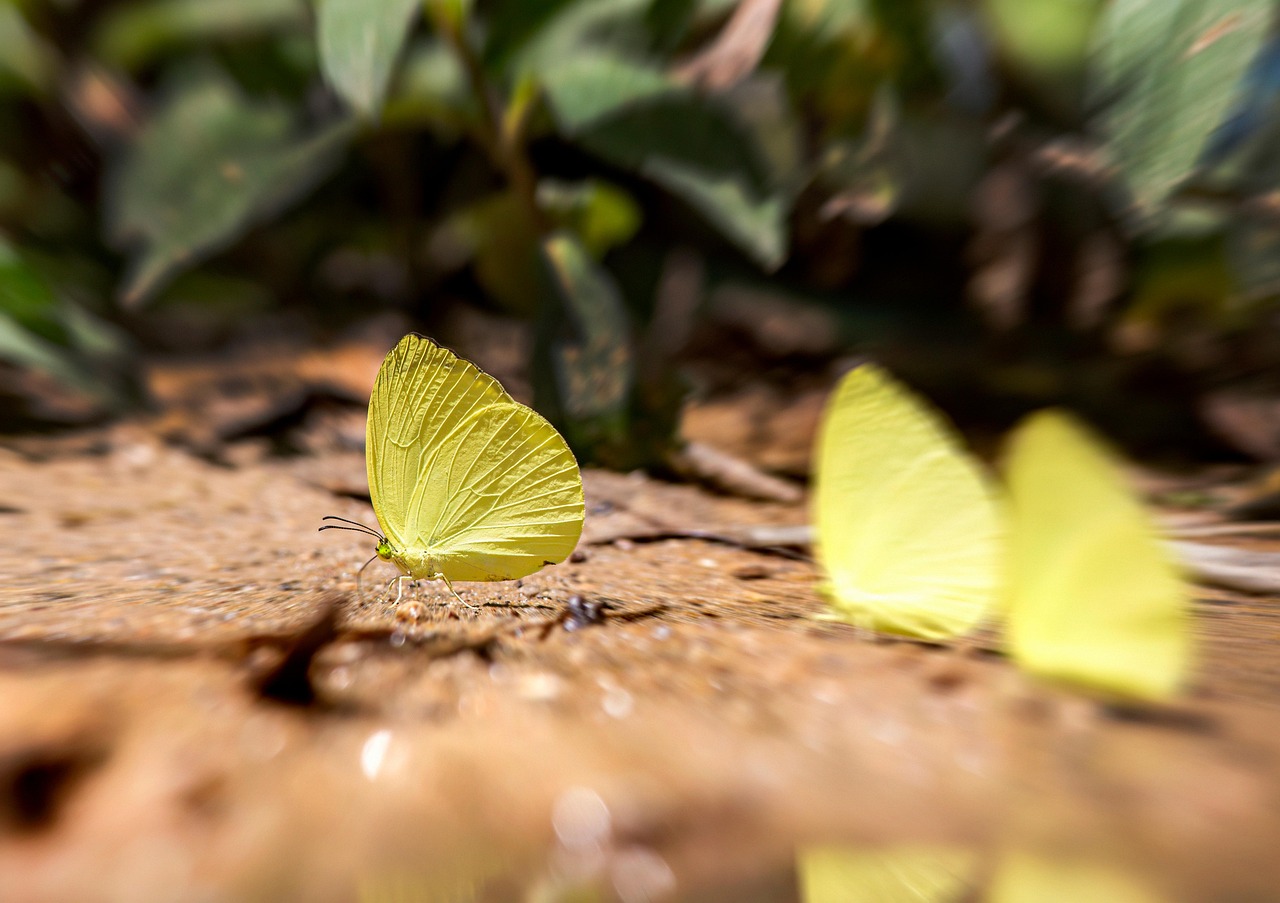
(197, 704)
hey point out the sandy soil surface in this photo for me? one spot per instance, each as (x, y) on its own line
(196, 703)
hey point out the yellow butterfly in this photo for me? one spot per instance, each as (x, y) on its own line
(903, 874)
(915, 542)
(934, 873)
(909, 531)
(1036, 878)
(466, 482)
(1093, 596)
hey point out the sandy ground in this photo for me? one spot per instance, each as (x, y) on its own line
(656, 719)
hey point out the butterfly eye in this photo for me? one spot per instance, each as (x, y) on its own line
(384, 550)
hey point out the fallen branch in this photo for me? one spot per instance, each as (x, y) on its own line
(733, 475)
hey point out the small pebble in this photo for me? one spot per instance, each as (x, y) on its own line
(946, 673)
(541, 686)
(411, 612)
(578, 556)
(617, 702)
(752, 572)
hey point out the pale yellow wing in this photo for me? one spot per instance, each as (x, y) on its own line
(465, 481)
(421, 394)
(1031, 878)
(1095, 599)
(903, 874)
(908, 529)
(501, 497)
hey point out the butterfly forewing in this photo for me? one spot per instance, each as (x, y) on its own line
(422, 393)
(502, 498)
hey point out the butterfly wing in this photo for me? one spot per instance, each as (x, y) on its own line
(903, 874)
(1022, 876)
(1095, 599)
(421, 395)
(909, 532)
(467, 482)
(502, 497)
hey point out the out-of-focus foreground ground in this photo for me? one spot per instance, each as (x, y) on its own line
(660, 717)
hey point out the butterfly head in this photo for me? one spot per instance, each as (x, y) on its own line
(384, 549)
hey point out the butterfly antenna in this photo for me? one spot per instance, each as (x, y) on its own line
(353, 526)
(345, 520)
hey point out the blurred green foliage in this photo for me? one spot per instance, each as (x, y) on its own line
(542, 158)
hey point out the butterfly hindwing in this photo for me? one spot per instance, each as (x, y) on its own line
(908, 529)
(502, 498)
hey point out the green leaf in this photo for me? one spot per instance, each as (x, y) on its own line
(1166, 72)
(1045, 36)
(593, 85)
(1253, 254)
(359, 43)
(450, 15)
(132, 35)
(601, 215)
(26, 349)
(207, 168)
(25, 57)
(431, 90)
(513, 23)
(695, 150)
(40, 331)
(497, 235)
(529, 36)
(26, 298)
(755, 222)
(593, 365)
(694, 147)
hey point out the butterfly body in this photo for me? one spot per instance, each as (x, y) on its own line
(425, 564)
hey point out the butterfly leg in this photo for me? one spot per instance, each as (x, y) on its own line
(398, 580)
(455, 592)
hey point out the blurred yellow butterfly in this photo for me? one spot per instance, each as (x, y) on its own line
(919, 873)
(1094, 598)
(909, 873)
(466, 482)
(909, 531)
(913, 541)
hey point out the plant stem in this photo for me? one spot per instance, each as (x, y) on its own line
(503, 146)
